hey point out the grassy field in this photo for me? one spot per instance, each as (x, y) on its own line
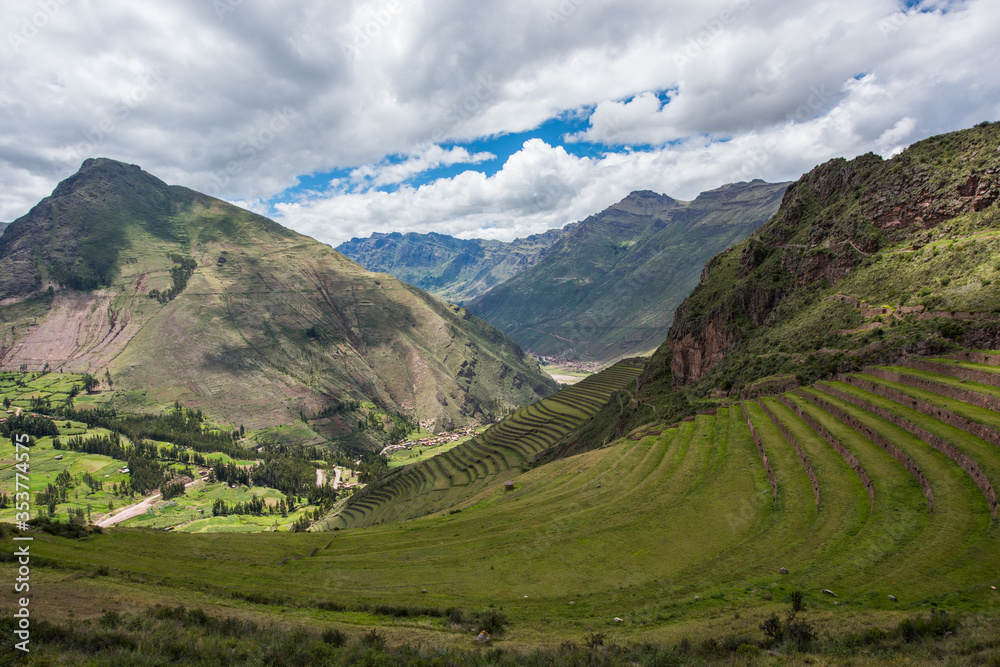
(675, 530)
(57, 388)
(190, 512)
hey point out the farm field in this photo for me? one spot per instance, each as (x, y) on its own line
(403, 457)
(56, 388)
(190, 512)
(681, 531)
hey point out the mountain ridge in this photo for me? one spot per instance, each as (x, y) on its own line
(608, 288)
(458, 270)
(179, 296)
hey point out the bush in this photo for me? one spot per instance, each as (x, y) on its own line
(798, 603)
(938, 624)
(492, 621)
(373, 639)
(334, 637)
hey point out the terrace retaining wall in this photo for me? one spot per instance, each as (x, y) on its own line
(763, 455)
(879, 439)
(950, 418)
(964, 395)
(795, 445)
(954, 370)
(839, 448)
(951, 451)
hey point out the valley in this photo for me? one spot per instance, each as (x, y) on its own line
(803, 470)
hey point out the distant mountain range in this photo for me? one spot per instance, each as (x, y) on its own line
(458, 270)
(3, 226)
(609, 287)
(596, 290)
(179, 296)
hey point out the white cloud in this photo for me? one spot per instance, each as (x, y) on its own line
(244, 103)
(425, 159)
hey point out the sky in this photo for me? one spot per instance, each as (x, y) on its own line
(494, 118)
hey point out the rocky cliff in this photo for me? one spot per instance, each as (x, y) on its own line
(931, 212)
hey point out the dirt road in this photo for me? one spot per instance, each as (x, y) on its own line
(135, 509)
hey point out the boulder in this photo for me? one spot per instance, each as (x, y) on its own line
(827, 591)
(783, 571)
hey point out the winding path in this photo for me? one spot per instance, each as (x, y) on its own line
(134, 510)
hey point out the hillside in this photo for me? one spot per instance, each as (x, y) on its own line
(609, 288)
(457, 270)
(878, 487)
(3, 226)
(448, 480)
(181, 297)
(865, 260)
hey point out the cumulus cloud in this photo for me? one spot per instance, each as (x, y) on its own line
(247, 101)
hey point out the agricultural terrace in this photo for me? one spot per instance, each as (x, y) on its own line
(486, 460)
(31, 390)
(881, 483)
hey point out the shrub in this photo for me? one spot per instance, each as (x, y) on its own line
(491, 620)
(798, 603)
(334, 637)
(110, 619)
(938, 624)
(373, 639)
(455, 616)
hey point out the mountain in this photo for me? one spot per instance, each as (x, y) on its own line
(867, 261)
(3, 226)
(457, 270)
(182, 297)
(609, 287)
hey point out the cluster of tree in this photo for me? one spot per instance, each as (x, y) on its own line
(337, 408)
(309, 517)
(401, 428)
(255, 507)
(291, 476)
(172, 489)
(181, 426)
(77, 517)
(372, 467)
(51, 496)
(38, 427)
(179, 275)
(39, 404)
(145, 473)
(91, 481)
(4, 501)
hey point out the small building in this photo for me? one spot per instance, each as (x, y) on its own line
(508, 485)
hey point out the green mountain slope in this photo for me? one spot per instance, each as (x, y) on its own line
(179, 296)
(870, 488)
(458, 270)
(609, 288)
(865, 260)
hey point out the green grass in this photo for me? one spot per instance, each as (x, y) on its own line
(404, 457)
(449, 479)
(676, 533)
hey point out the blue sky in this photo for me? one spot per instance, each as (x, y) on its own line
(499, 118)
